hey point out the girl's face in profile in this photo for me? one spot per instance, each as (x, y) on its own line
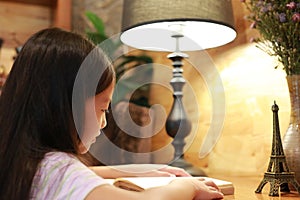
(95, 117)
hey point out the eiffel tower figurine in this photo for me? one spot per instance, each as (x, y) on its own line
(278, 173)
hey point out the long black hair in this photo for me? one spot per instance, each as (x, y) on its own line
(36, 113)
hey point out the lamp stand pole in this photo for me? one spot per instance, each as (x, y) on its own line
(178, 125)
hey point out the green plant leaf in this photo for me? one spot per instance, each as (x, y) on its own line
(95, 37)
(97, 22)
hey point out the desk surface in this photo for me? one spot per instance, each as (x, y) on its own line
(245, 189)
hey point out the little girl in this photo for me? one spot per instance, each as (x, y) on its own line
(52, 107)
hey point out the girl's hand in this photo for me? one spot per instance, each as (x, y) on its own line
(134, 170)
(207, 189)
(173, 171)
(155, 170)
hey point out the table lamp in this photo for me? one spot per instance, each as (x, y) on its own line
(176, 26)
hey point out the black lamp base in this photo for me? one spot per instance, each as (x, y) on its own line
(194, 171)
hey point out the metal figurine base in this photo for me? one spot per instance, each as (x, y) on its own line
(278, 173)
(178, 125)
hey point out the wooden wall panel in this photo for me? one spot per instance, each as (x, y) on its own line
(18, 21)
(48, 3)
(62, 14)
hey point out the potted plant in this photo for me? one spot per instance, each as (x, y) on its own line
(123, 62)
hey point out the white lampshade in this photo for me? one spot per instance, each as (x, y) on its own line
(149, 24)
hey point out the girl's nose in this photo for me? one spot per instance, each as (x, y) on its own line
(103, 122)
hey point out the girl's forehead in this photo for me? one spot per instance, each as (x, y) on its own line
(106, 95)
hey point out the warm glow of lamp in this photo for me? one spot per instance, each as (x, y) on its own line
(175, 26)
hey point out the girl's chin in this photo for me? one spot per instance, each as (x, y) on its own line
(88, 144)
(84, 148)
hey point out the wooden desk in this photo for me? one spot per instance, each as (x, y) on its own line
(245, 189)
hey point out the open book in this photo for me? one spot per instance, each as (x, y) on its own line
(141, 183)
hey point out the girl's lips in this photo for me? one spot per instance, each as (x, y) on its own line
(94, 140)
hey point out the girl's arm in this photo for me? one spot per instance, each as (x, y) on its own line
(188, 189)
(138, 170)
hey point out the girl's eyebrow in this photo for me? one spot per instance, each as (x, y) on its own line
(107, 100)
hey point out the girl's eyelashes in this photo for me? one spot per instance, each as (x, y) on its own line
(106, 111)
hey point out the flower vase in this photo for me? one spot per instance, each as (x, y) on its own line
(291, 139)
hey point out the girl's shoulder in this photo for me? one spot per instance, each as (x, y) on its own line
(61, 176)
(56, 161)
(59, 156)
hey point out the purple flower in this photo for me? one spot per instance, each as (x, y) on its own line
(273, 19)
(296, 17)
(282, 17)
(264, 9)
(259, 4)
(292, 5)
(269, 6)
